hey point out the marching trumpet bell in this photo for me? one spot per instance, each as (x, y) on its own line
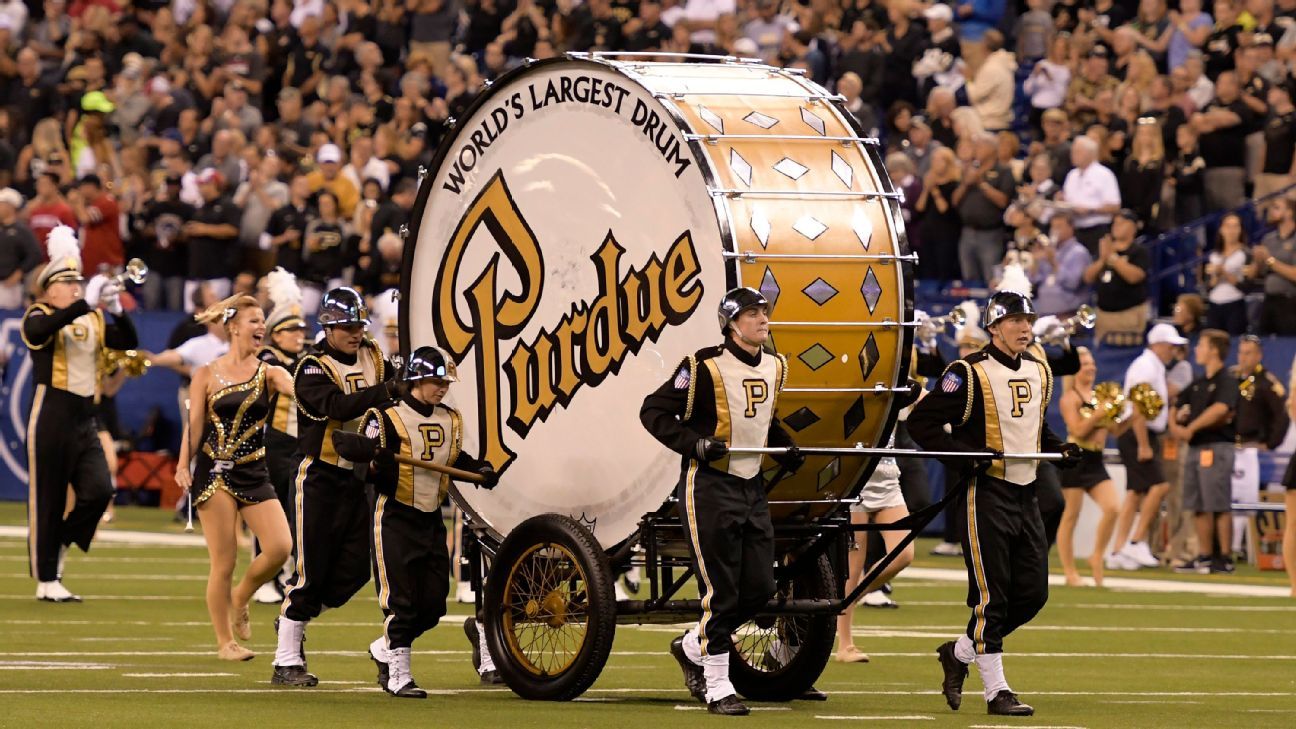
(136, 272)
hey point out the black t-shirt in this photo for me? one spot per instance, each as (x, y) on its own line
(1171, 119)
(1258, 87)
(1117, 294)
(1227, 147)
(327, 262)
(28, 105)
(649, 36)
(165, 255)
(286, 218)
(215, 257)
(1204, 392)
(388, 216)
(1219, 48)
(1280, 143)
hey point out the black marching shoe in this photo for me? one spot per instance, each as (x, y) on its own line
(955, 672)
(470, 630)
(408, 691)
(813, 694)
(293, 676)
(694, 681)
(1005, 703)
(728, 706)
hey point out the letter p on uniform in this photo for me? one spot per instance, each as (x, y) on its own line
(757, 392)
(1021, 394)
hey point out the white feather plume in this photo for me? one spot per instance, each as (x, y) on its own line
(386, 308)
(282, 288)
(1014, 279)
(62, 243)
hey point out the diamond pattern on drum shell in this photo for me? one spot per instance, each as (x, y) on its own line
(819, 291)
(842, 169)
(809, 227)
(869, 356)
(829, 473)
(791, 168)
(814, 122)
(853, 418)
(801, 419)
(769, 287)
(711, 118)
(742, 169)
(764, 121)
(760, 225)
(871, 289)
(816, 356)
(862, 225)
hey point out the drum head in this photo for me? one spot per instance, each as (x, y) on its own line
(566, 252)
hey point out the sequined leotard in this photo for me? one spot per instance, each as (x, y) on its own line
(232, 457)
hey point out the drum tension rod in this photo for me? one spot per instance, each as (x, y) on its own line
(736, 193)
(845, 141)
(808, 98)
(752, 256)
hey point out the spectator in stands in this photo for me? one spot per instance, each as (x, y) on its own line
(1086, 87)
(325, 252)
(1058, 276)
(1223, 147)
(211, 235)
(19, 251)
(1225, 275)
(921, 145)
(1278, 170)
(986, 189)
(258, 198)
(224, 157)
(940, 115)
(1203, 420)
(1119, 273)
(49, 209)
(1187, 315)
(1048, 81)
(1144, 172)
(1189, 28)
(1091, 191)
(158, 233)
(991, 85)
(100, 218)
(939, 224)
(904, 42)
(285, 234)
(1187, 177)
(45, 153)
(1275, 260)
(328, 177)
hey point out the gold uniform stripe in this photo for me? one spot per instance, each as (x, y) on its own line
(689, 484)
(22, 332)
(405, 473)
(994, 436)
(327, 453)
(978, 571)
(384, 588)
(456, 446)
(59, 374)
(723, 426)
(33, 520)
(299, 504)
(280, 420)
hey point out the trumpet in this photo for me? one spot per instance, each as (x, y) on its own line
(1108, 403)
(932, 326)
(130, 361)
(1058, 335)
(1146, 400)
(136, 272)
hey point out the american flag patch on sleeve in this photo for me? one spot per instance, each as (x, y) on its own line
(682, 379)
(312, 370)
(951, 382)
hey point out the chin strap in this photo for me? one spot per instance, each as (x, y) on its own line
(743, 339)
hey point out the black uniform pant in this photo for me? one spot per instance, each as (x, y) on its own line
(1048, 491)
(727, 522)
(331, 539)
(1006, 554)
(412, 569)
(62, 448)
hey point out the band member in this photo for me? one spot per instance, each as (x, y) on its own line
(334, 389)
(287, 332)
(1088, 429)
(1145, 481)
(1261, 422)
(410, 562)
(1062, 361)
(969, 338)
(995, 400)
(720, 398)
(66, 336)
(229, 400)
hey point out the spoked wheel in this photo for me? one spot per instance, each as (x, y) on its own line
(778, 658)
(550, 609)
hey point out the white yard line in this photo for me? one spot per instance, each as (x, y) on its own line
(847, 717)
(114, 536)
(682, 707)
(1134, 584)
(178, 675)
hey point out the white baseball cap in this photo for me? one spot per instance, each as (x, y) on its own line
(11, 196)
(328, 153)
(1165, 334)
(939, 11)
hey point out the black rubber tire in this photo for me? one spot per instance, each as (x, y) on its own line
(525, 679)
(814, 633)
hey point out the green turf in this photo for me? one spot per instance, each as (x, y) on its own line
(1092, 659)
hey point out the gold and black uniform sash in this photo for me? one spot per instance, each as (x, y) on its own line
(435, 438)
(368, 370)
(73, 354)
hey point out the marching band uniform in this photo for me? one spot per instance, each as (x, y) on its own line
(994, 401)
(1261, 422)
(63, 445)
(723, 396)
(333, 390)
(411, 564)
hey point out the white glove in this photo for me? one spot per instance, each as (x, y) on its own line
(110, 297)
(1045, 324)
(94, 289)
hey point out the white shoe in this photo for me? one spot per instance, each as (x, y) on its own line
(878, 599)
(55, 592)
(465, 594)
(267, 594)
(948, 549)
(1139, 553)
(1118, 561)
(619, 591)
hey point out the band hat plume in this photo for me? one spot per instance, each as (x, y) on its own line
(1014, 279)
(970, 333)
(65, 257)
(285, 301)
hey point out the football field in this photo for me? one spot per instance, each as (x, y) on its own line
(1159, 651)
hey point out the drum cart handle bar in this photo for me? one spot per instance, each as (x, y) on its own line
(714, 138)
(751, 256)
(900, 453)
(616, 55)
(809, 96)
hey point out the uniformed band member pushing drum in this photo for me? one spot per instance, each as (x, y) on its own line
(723, 397)
(995, 400)
(287, 331)
(334, 389)
(67, 335)
(410, 561)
